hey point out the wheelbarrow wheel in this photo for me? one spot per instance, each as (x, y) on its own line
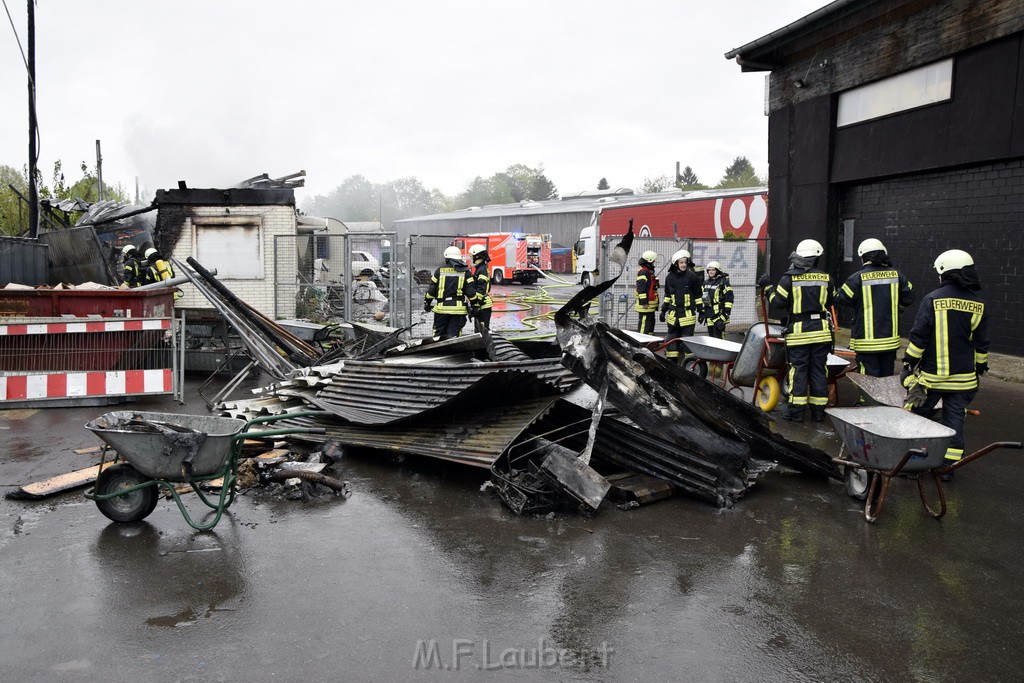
(697, 367)
(130, 507)
(857, 481)
(768, 393)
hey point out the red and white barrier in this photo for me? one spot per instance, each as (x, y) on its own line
(85, 384)
(106, 325)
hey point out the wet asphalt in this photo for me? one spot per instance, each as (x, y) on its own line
(422, 575)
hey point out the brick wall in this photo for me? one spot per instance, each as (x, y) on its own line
(258, 292)
(978, 209)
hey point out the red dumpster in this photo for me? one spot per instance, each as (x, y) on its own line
(106, 303)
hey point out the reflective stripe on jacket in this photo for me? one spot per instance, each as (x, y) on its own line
(451, 285)
(950, 336)
(806, 297)
(717, 299)
(646, 291)
(682, 294)
(878, 294)
(482, 282)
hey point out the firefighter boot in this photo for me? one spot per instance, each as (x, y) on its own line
(794, 415)
(818, 415)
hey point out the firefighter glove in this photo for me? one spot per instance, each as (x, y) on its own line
(720, 326)
(427, 306)
(661, 317)
(906, 374)
(763, 281)
(981, 368)
(471, 313)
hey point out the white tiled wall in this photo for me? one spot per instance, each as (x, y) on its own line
(258, 293)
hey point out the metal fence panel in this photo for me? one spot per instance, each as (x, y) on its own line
(743, 260)
(68, 359)
(342, 277)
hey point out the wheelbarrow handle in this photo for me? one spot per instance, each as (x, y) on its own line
(282, 416)
(977, 454)
(282, 432)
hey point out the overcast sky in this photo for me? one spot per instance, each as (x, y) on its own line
(214, 92)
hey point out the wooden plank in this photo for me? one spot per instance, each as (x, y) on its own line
(62, 482)
(644, 489)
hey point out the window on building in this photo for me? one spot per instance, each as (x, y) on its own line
(910, 90)
(235, 249)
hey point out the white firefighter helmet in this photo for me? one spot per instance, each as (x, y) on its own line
(453, 253)
(809, 248)
(679, 255)
(954, 259)
(649, 256)
(476, 249)
(713, 264)
(150, 252)
(869, 245)
(127, 249)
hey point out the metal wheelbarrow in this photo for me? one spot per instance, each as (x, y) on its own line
(712, 356)
(884, 442)
(168, 449)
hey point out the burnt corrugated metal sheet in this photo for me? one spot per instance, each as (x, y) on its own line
(23, 261)
(624, 446)
(76, 257)
(472, 437)
(370, 392)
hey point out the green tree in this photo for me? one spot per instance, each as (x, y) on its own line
(688, 180)
(358, 199)
(13, 212)
(658, 184)
(602, 184)
(516, 183)
(86, 188)
(740, 173)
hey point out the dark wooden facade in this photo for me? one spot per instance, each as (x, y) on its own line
(948, 175)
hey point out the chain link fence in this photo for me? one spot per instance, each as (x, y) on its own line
(345, 277)
(742, 260)
(364, 277)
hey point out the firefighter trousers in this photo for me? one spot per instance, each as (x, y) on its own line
(954, 409)
(877, 363)
(677, 350)
(808, 379)
(646, 325)
(483, 317)
(448, 325)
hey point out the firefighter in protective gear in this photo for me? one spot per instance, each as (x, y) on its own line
(716, 301)
(877, 292)
(483, 303)
(646, 292)
(453, 288)
(135, 274)
(948, 348)
(159, 269)
(805, 294)
(682, 296)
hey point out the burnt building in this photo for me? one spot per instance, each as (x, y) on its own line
(901, 120)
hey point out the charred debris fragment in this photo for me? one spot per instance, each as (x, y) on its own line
(559, 427)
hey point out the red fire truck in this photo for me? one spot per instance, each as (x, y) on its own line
(705, 214)
(515, 257)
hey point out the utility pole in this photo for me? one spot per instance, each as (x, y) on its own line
(99, 174)
(33, 190)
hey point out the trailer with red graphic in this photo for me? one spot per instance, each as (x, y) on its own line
(515, 257)
(704, 214)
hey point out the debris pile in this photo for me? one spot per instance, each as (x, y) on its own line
(559, 427)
